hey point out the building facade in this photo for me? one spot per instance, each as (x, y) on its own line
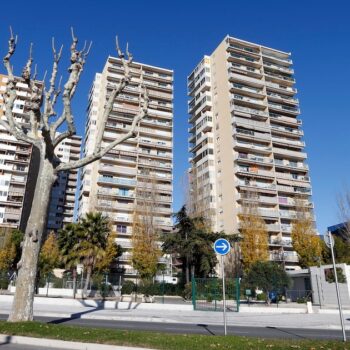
(246, 141)
(64, 192)
(139, 170)
(15, 157)
(17, 172)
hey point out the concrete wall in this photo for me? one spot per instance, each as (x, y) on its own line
(324, 293)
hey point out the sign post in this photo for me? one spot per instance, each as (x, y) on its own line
(329, 240)
(223, 247)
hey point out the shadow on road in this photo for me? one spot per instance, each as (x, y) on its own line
(205, 327)
(287, 332)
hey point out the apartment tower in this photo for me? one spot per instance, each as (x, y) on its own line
(64, 192)
(15, 157)
(139, 169)
(17, 174)
(246, 141)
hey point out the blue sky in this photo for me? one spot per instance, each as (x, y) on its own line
(176, 34)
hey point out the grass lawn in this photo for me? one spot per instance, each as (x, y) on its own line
(159, 340)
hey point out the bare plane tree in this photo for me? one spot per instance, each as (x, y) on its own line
(44, 136)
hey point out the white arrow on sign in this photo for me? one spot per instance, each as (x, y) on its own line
(223, 246)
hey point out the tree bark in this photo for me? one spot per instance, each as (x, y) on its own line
(22, 307)
(87, 281)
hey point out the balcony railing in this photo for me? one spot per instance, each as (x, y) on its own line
(117, 181)
(284, 256)
(248, 110)
(284, 108)
(281, 242)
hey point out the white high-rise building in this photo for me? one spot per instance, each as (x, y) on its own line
(138, 168)
(246, 141)
(17, 175)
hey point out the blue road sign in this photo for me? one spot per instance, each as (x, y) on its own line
(222, 246)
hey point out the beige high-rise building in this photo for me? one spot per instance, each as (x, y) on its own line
(140, 169)
(17, 176)
(246, 141)
(64, 192)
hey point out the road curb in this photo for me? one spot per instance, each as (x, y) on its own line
(61, 344)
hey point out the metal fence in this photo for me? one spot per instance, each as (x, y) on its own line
(297, 295)
(207, 294)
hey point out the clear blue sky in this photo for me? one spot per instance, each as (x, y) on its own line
(176, 34)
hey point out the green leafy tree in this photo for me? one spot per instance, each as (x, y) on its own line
(49, 255)
(111, 253)
(145, 236)
(305, 241)
(193, 242)
(93, 233)
(267, 276)
(10, 250)
(68, 238)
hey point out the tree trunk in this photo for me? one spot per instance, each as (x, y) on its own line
(74, 282)
(22, 307)
(187, 272)
(87, 281)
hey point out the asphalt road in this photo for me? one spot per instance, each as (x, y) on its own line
(185, 328)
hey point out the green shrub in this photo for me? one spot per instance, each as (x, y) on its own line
(187, 292)
(261, 297)
(128, 287)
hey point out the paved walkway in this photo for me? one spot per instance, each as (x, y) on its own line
(248, 316)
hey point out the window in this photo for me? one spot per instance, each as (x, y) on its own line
(121, 228)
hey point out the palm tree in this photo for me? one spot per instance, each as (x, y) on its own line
(93, 233)
(67, 240)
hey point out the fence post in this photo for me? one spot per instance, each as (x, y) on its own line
(238, 293)
(193, 293)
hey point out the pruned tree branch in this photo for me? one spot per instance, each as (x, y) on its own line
(11, 94)
(78, 59)
(52, 93)
(99, 152)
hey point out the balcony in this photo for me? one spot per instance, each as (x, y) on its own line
(273, 227)
(254, 92)
(284, 119)
(249, 101)
(294, 189)
(292, 177)
(113, 205)
(285, 89)
(288, 141)
(286, 228)
(116, 169)
(275, 76)
(278, 68)
(293, 165)
(280, 242)
(255, 185)
(248, 123)
(248, 110)
(286, 130)
(284, 57)
(262, 212)
(251, 146)
(254, 171)
(246, 79)
(252, 134)
(117, 181)
(254, 158)
(284, 256)
(289, 153)
(255, 62)
(283, 98)
(284, 108)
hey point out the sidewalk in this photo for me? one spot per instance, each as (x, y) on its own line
(176, 313)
